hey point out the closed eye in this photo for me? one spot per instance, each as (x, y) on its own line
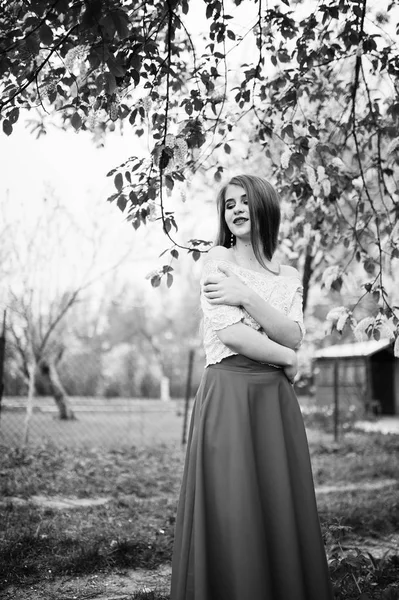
(230, 202)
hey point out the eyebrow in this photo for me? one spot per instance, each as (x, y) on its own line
(230, 199)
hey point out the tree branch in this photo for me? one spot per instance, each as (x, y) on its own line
(34, 75)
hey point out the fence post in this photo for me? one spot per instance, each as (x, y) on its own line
(188, 394)
(336, 398)
(29, 404)
(2, 357)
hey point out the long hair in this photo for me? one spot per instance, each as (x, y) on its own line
(264, 212)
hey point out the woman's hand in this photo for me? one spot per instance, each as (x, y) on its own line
(225, 289)
(292, 369)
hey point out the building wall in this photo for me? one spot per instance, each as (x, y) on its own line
(396, 386)
(352, 382)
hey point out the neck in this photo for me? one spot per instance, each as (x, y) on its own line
(246, 257)
(244, 250)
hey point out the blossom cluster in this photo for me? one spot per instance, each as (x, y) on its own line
(177, 158)
(147, 103)
(78, 53)
(337, 317)
(331, 274)
(318, 180)
(48, 88)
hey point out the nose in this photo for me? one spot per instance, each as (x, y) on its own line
(238, 209)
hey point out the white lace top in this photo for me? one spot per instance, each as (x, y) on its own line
(283, 292)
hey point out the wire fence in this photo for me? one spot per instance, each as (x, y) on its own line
(106, 423)
(113, 396)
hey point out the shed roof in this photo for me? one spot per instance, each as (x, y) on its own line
(356, 349)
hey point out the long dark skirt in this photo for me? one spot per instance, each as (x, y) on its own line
(247, 526)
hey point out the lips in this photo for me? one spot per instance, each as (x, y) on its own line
(240, 221)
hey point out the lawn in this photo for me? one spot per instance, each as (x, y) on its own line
(110, 423)
(133, 529)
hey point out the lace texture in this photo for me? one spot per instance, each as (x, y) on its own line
(282, 292)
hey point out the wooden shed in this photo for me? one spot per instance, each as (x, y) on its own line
(363, 374)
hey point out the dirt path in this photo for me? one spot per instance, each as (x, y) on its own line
(102, 586)
(121, 585)
(63, 503)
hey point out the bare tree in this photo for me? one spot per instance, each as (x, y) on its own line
(52, 261)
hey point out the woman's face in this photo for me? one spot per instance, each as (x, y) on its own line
(236, 212)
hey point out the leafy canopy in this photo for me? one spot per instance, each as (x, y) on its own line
(317, 95)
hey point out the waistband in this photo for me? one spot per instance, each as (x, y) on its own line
(238, 362)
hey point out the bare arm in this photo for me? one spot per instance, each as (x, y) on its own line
(244, 340)
(227, 288)
(275, 324)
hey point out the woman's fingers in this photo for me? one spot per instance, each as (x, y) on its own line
(210, 288)
(211, 279)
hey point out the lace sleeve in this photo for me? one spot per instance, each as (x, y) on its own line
(219, 315)
(296, 311)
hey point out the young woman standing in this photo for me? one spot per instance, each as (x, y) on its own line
(247, 526)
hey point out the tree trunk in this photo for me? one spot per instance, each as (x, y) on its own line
(29, 404)
(307, 274)
(49, 373)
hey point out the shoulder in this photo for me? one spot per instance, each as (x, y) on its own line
(219, 253)
(289, 271)
(217, 258)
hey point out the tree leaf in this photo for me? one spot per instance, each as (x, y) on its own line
(115, 67)
(46, 35)
(133, 198)
(113, 197)
(76, 121)
(7, 127)
(288, 130)
(33, 44)
(122, 23)
(169, 280)
(118, 181)
(369, 266)
(121, 202)
(169, 182)
(109, 83)
(156, 281)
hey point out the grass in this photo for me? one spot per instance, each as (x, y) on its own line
(359, 457)
(143, 423)
(89, 472)
(135, 528)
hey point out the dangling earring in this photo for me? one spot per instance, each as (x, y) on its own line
(231, 240)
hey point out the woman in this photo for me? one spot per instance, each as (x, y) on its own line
(247, 526)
